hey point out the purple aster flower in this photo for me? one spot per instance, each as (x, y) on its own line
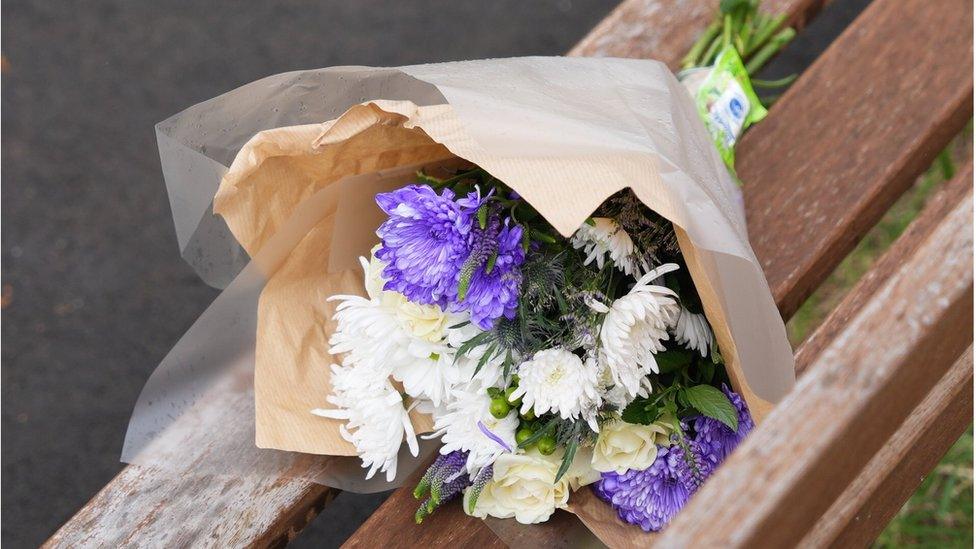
(444, 480)
(652, 497)
(494, 272)
(424, 241)
(716, 438)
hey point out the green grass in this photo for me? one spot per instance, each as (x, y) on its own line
(940, 513)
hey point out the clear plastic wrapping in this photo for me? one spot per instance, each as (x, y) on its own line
(564, 132)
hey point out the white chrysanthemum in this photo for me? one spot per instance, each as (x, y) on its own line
(692, 330)
(466, 424)
(368, 333)
(431, 373)
(380, 336)
(605, 237)
(634, 327)
(403, 339)
(376, 421)
(612, 392)
(556, 380)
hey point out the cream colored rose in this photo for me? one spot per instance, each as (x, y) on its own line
(621, 446)
(581, 472)
(426, 322)
(524, 487)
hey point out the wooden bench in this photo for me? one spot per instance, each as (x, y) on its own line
(892, 363)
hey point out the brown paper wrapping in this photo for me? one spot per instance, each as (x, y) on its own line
(564, 133)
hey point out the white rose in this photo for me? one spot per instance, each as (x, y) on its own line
(524, 487)
(426, 322)
(621, 446)
(581, 472)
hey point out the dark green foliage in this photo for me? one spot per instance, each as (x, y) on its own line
(542, 279)
(713, 403)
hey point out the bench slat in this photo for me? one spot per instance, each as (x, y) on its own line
(841, 195)
(867, 118)
(872, 500)
(852, 399)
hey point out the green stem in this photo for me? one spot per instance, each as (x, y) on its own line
(785, 81)
(727, 31)
(460, 177)
(710, 33)
(711, 52)
(759, 23)
(764, 32)
(769, 50)
(745, 34)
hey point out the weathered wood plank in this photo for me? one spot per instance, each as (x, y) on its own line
(872, 500)
(855, 395)
(775, 183)
(848, 138)
(666, 29)
(438, 530)
(937, 207)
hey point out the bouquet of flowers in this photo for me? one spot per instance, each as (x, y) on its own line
(547, 363)
(536, 269)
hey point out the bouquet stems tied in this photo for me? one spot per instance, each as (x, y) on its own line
(756, 36)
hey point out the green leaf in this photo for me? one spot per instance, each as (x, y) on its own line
(567, 458)
(429, 179)
(541, 236)
(540, 433)
(713, 403)
(636, 412)
(489, 352)
(707, 370)
(470, 344)
(728, 6)
(672, 360)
